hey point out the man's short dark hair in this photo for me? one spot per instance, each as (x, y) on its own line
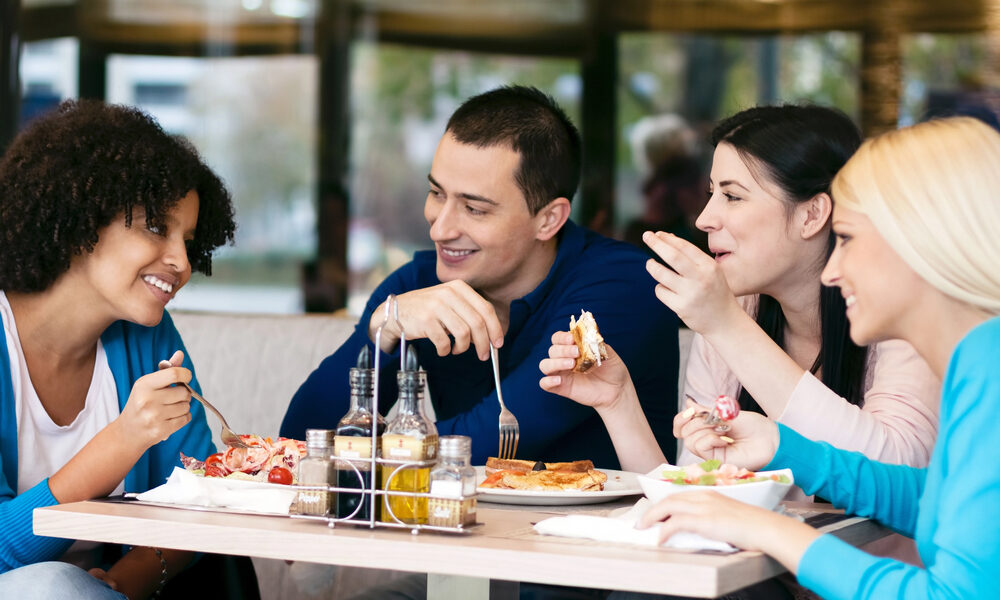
(73, 171)
(533, 125)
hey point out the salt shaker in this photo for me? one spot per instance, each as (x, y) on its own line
(453, 481)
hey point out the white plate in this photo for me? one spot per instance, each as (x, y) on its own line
(618, 485)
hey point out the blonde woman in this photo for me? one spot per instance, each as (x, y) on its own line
(916, 218)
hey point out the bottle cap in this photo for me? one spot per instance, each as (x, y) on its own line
(411, 378)
(362, 375)
(454, 446)
(319, 437)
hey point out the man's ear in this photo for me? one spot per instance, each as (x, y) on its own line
(551, 218)
(815, 215)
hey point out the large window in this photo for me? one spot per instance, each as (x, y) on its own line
(255, 117)
(253, 120)
(669, 80)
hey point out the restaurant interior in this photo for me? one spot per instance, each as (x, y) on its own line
(322, 117)
(349, 97)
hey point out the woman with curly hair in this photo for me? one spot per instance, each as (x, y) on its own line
(103, 217)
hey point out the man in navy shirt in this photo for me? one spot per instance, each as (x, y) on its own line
(509, 268)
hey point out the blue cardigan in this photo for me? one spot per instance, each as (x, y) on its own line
(132, 351)
(950, 507)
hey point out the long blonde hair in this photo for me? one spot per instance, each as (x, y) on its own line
(933, 191)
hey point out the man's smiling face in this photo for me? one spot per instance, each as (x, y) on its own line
(479, 219)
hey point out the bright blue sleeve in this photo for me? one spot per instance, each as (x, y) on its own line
(957, 532)
(19, 545)
(851, 481)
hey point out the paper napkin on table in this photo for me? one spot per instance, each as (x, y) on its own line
(184, 487)
(621, 529)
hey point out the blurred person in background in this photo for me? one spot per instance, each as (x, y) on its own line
(673, 180)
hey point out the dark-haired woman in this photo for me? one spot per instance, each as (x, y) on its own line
(767, 331)
(103, 217)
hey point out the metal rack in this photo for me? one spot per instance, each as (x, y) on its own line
(374, 495)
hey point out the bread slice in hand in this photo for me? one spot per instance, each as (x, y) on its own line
(588, 339)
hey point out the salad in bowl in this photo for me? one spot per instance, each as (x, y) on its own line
(761, 488)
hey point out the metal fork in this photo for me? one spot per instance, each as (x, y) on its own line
(510, 433)
(228, 437)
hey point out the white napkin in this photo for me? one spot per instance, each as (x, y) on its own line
(621, 529)
(184, 487)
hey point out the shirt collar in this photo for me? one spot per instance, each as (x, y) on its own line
(571, 241)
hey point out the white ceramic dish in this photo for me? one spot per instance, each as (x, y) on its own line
(618, 485)
(766, 494)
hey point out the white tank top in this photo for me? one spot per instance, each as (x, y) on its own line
(42, 446)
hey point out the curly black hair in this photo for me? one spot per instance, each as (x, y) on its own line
(73, 171)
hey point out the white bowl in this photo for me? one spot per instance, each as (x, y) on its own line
(766, 494)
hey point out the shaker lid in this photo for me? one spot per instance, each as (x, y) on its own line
(454, 445)
(319, 437)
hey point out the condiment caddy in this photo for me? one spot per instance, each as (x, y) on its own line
(407, 487)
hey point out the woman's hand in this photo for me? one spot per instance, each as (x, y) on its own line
(157, 408)
(751, 441)
(745, 526)
(694, 286)
(103, 576)
(601, 387)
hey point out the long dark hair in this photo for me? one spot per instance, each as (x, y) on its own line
(801, 148)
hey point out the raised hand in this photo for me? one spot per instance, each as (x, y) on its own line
(156, 408)
(601, 387)
(750, 442)
(694, 286)
(449, 309)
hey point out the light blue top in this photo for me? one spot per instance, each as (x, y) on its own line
(132, 351)
(950, 508)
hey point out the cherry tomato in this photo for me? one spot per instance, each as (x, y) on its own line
(280, 475)
(214, 459)
(214, 470)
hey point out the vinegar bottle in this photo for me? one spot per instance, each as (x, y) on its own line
(353, 442)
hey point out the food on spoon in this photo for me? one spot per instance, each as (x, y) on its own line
(512, 474)
(714, 472)
(588, 339)
(256, 462)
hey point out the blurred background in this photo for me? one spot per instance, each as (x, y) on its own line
(323, 115)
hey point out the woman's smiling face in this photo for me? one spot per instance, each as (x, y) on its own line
(134, 271)
(879, 288)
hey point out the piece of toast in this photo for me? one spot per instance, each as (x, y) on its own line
(553, 481)
(588, 339)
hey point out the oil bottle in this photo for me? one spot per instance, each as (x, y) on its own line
(409, 437)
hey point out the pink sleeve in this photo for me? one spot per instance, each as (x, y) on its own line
(706, 378)
(898, 422)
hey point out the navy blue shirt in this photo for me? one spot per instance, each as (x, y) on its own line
(590, 272)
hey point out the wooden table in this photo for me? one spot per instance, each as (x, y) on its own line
(504, 548)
